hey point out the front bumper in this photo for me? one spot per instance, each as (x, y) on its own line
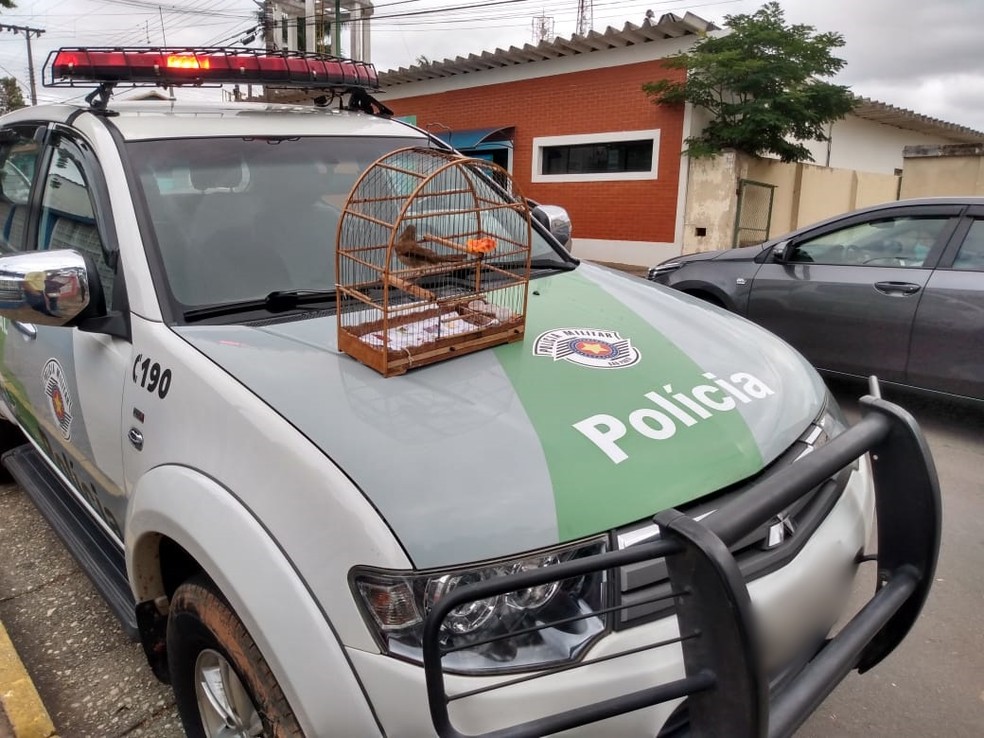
(732, 634)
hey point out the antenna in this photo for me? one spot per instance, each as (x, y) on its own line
(543, 28)
(163, 34)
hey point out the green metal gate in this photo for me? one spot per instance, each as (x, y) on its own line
(754, 212)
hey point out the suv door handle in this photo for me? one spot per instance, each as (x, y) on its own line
(897, 288)
(136, 438)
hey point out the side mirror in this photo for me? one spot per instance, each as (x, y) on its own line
(556, 220)
(780, 252)
(55, 288)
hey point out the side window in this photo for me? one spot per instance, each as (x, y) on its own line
(68, 219)
(895, 242)
(971, 254)
(18, 166)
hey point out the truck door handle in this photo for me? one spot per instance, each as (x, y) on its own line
(28, 330)
(897, 288)
(136, 438)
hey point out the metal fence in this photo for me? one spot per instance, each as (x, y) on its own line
(754, 212)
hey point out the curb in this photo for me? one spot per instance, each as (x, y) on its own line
(19, 698)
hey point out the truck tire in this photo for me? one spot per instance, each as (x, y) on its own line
(221, 682)
(10, 435)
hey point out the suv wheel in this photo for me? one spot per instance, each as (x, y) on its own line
(222, 684)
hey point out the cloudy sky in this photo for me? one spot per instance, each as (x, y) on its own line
(924, 56)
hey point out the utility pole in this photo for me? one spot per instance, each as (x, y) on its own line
(30, 57)
(336, 43)
(585, 17)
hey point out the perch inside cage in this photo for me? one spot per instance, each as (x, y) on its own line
(433, 260)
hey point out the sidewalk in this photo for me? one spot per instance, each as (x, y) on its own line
(22, 714)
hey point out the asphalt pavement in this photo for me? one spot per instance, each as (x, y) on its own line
(933, 684)
(95, 683)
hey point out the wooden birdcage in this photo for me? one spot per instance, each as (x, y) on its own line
(433, 260)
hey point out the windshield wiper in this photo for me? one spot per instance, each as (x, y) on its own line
(560, 266)
(277, 301)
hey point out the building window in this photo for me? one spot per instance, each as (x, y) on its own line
(598, 157)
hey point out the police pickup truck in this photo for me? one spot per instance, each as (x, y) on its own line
(643, 519)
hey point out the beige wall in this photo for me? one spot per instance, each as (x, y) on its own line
(874, 189)
(943, 170)
(804, 194)
(824, 192)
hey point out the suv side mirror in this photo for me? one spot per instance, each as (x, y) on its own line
(556, 220)
(55, 288)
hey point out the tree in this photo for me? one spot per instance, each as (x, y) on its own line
(11, 97)
(762, 84)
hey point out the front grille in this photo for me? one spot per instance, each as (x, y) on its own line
(642, 589)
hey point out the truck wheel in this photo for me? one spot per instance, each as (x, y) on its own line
(10, 435)
(221, 682)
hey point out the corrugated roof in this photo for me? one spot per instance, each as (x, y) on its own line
(909, 120)
(669, 25)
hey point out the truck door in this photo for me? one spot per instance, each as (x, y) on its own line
(70, 382)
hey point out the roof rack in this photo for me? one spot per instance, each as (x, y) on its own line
(209, 66)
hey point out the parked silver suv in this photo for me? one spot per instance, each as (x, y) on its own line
(644, 515)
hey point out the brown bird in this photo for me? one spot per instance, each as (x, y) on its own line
(412, 254)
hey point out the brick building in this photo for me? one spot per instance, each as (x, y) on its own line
(569, 119)
(574, 128)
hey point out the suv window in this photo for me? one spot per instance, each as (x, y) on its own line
(68, 218)
(18, 167)
(895, 242)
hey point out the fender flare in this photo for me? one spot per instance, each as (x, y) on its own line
(261, 584)
(692, 287)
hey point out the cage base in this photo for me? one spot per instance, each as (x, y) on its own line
(392, 362)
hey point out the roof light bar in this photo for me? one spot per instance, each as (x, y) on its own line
(89, 66)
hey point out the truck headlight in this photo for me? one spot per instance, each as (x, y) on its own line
(396, 604)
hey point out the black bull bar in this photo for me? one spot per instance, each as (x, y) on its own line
(725, 683)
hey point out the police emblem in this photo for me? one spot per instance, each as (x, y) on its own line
(588, 347)
(59, 398)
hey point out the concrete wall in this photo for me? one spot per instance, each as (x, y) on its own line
(709, 216)
(803, 194)
(932, 171)
(824, 192)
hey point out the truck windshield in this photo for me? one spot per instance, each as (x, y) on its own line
(236, 219)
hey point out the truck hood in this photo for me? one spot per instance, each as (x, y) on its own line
(624, 399)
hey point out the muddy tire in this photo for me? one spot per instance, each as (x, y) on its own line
(221, 682)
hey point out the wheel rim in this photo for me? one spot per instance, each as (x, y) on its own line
(224, 705)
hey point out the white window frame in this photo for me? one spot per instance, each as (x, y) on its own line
(542, 142)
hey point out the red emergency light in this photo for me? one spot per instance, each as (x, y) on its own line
(85, 66)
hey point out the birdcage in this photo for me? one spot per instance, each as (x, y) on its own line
(433, 260)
